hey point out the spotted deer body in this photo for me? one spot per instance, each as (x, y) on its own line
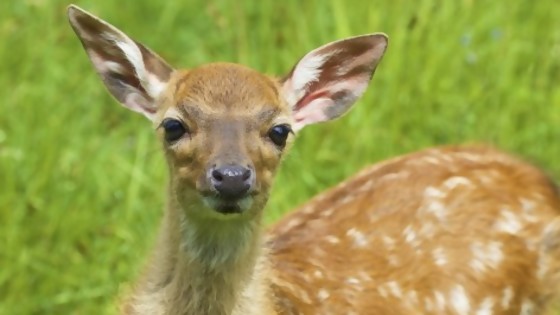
(443, 231)
(453, 230)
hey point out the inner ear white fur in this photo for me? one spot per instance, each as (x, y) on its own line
(307, 71)
(153, 86)
(326, 82)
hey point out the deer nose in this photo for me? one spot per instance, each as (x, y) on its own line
(232, 181)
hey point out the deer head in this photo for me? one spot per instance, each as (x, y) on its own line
(224, 127)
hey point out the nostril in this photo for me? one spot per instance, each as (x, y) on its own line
(246, 175)
(217, 175)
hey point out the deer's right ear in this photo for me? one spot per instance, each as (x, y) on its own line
(133, 74)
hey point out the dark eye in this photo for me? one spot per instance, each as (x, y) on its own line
(174, 129)
(278, 134)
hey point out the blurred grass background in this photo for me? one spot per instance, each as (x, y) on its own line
(82, 179)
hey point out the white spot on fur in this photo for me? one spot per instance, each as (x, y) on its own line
(459, 300)
(470, 156)
(455, 181)
(308, 209)
(327, 213)
(352, 280)
(332, 239)
(318, 274)
(364, 276)
(433, 203)
(527, 308)
(507, 297)
(508, 222)
(367, 186)
(527, 205)
(439, 256)
(437, 209)
(431, 159)
(486, 255)
(409, 234)
(394, 288)
(440, 300)
(289, 286)
(347, 199)
(291, 224)
(432, 192)
(530, 218)
(485, 307)
(359, 238)
(486, 179)
(393, 176)
(323, 295)
(428, 229)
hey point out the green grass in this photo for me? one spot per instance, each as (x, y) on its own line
(82, 179)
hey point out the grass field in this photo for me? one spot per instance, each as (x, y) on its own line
(82, 179)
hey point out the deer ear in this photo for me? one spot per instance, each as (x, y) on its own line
(132, 73)
(326, 82)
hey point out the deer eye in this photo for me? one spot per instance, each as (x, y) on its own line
(174, 129)
(278, 134)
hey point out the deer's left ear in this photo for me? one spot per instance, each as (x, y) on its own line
(326, 82)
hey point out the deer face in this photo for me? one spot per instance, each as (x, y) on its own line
(224, 129)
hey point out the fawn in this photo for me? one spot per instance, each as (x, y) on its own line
(454, 230)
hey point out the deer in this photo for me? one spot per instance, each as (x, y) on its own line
(464, 229)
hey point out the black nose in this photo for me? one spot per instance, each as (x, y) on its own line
(231, 181)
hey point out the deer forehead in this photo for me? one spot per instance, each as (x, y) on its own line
(224, 88)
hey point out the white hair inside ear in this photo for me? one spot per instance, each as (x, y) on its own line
(326, 82)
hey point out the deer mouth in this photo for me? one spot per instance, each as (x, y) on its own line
(228, 206)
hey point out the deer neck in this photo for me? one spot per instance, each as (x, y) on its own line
(208, 267)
